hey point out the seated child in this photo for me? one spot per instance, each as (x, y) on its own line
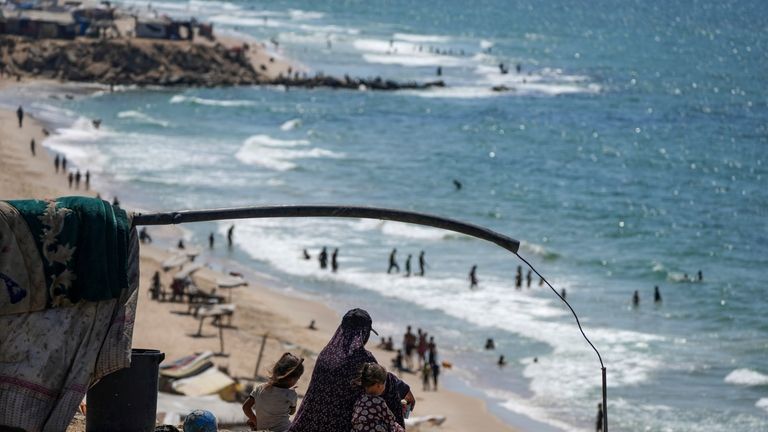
(275, 401)
(371, 413)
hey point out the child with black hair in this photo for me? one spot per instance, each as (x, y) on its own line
(275, 401)
(371, 413)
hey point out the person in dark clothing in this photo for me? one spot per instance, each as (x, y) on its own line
(70, 179)
(599, 420)
(32, 146)
(439, 71)
(78, 176)
(435, 373)
(541, 281)
(180, 244)
(408, 266)
(211, 240)
(636, 299)
(519, 277)
(457, 184)
(563, 293)
(87, 180)
(144, 236)
(432, 351)
(115, 201)
(473, 277)
(502, 361)
(490, 344)
(331, 395)
(323, 258)
(306, 255)
(230, 233)
(56, 163)
(64, 164)
(700, 276)
(528, 278)
(20, 115)
(334, 261)
(656, 294)
(422, 264)
(393, 262)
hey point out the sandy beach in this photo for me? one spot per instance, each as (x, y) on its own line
(259, 309)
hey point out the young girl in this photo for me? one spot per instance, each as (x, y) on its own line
(275, 401)
(371, 413)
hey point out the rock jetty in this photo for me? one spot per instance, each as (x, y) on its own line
(145, 62)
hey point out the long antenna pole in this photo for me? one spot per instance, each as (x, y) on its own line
(505, 242)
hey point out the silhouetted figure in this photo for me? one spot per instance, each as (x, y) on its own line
(518, 67)
(457, 184)
(519, 277)
(306, 255)
(78, 176)
(70, 179)
(422, 263)
(408, 266)
(323, 258)
(490, 344)
(439, 71)
(210, 241)
(700, 276)
(541, 281)
(311, 325)
(96, 123)
(686, 278)
(115, 201)
(432, 351)
(20, 115)
(144, 236)
(435, 373)
(473, 277)
(180, 244)
(334, 262)
(64, 163)
(599, 420)
(503, 69)
(87, 180)
(636, 299)
(656, 294)
(563, 294)
(389, 345)
(502, 361)
(32, 146)
(393, 262)
(230, 233)
(56, 163)
(528, 279)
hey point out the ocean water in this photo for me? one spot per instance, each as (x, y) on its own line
(630, 152)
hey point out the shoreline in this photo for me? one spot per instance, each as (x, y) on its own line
(257, 305)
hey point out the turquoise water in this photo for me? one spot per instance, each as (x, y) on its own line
(631, 152)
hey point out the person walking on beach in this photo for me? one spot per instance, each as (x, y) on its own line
(87, 180)
(77, 179)
(393, 262)
(599, 420)
(70, 178)
(64, 164)
(230, 233)
(435, 368)
(422, 263)
(20, 115)
(32, 146)
(408, 266)
(426, 374)
(656, 294)
(432, 351)
(473, 277)
(422, 347)
(519, 277)
(409, 343)
(56, 163)
(334, 261)
(528, 278)
(323, 258)
(210, 241)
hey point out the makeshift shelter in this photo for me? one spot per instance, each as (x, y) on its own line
(39, 24)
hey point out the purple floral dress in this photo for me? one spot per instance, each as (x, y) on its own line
(371, 414)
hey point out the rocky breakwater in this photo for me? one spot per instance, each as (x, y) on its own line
(144, 62)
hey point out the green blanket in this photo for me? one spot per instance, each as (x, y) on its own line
(82, 245)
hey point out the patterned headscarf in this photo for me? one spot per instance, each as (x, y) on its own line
(328, 403)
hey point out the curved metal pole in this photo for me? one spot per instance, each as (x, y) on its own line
(505, 242)
(178, 217)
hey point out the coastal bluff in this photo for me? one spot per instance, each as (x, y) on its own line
(151, 62)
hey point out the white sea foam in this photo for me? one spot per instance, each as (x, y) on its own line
(141, 117)
(298, 14)
(746, 377)
(485, 44)
(400, 229)
(77, 143)
(278, 155)
(246, 21)
(404, 54)
(762, 403)
(291, 124)
(177, 99)
(417, 38)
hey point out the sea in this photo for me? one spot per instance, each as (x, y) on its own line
(629, 150)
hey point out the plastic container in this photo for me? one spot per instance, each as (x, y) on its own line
(126, 400)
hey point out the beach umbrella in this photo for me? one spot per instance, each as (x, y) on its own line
(187, 270)
(501, 240)
(230, 282)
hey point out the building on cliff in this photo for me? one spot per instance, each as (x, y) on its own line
(163, 28)
(38, 24)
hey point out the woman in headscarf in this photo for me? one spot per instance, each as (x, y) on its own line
(330, 398)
